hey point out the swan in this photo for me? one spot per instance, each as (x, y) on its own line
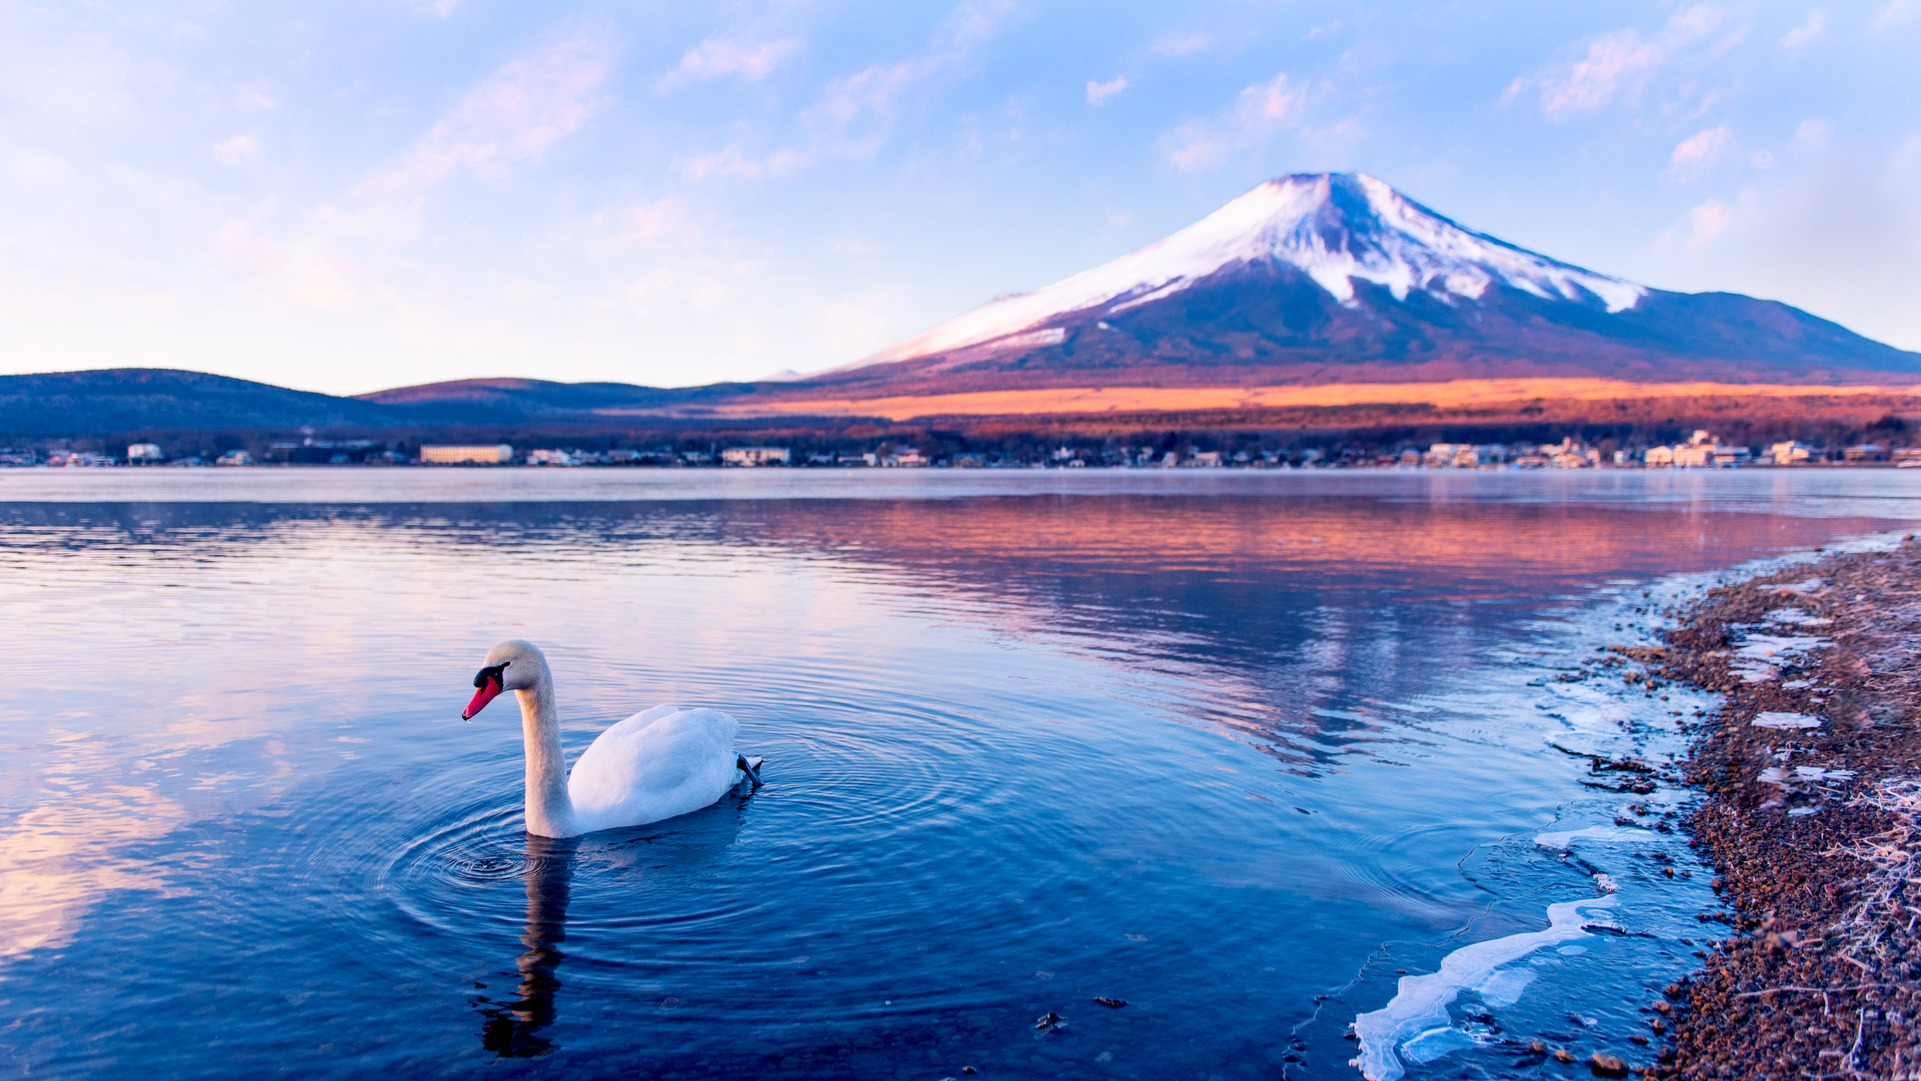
(659, 763)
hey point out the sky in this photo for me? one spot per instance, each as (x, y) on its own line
(359, 194)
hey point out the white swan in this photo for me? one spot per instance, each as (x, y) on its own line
(664, 762)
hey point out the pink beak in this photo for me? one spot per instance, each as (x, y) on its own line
(487, 693)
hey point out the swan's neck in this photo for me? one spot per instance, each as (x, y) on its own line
(550, 813)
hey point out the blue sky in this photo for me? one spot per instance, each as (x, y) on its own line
(351, 195)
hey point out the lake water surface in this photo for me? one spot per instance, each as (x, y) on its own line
(1242, 749)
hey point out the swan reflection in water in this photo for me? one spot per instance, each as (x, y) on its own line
(513, 1027)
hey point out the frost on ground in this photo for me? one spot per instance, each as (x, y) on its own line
(1811, 827)
(1878, 930)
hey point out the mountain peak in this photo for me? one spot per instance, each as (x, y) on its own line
(1336, 228)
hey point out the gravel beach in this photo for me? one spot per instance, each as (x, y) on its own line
(1812, 773)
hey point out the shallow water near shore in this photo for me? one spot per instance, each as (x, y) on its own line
(1242, 750)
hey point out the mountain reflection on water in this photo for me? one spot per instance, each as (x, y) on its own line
(1233, 757)
(1287, 605)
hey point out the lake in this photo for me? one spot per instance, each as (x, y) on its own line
(1259, 753)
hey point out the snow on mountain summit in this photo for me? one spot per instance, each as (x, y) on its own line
(1335, 228)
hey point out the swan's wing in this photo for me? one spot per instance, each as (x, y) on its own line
(644, 718)
(655, 765)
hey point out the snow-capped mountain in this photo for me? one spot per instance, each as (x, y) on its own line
(1336, 277)
(1336, 229)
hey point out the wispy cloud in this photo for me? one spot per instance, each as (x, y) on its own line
(1708, 221)
(1614, 61)
(511, 116)
(732, 161)
(719, 57)
(1898, 11)
(855, 114)
(1811, 134)
(1806, 32)
(1099, 92)
(652, 222)
(1258, 112)
(1702, 149)
(1178, 44)
(239, 150)
(874, 93)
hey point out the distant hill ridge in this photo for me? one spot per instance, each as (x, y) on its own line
(125, 399)
(112, 400)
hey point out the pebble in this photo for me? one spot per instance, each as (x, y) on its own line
(1607, 1066)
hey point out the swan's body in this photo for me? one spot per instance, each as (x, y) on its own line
(659, 763)
(664, 762)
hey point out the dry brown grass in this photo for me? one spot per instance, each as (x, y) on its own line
(1455, 394)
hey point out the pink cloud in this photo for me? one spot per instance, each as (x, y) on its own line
(1099, 92)
(1614, 61)
(512, 116)
(1258, 112)
(719, 57)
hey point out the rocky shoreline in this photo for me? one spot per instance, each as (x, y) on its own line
(1812, 821)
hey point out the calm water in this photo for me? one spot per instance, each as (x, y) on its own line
(1239, 749)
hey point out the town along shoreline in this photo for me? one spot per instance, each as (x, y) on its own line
(1811, 772)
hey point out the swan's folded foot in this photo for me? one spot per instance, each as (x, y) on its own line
(749, 768)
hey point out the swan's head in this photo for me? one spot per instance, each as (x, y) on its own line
(512, 665)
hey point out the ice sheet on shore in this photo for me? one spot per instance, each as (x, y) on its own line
(1417, 1014)
(1752, 660)
(1563, 839)
(1775, 719)
(1782, 776)
(1795, 617)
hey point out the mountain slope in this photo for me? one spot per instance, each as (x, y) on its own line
(1338, 278)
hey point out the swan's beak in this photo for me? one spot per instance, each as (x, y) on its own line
(489, 690)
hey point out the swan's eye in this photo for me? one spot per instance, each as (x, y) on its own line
(495, 672)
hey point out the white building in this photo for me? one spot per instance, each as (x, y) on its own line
(753, 456)
(1694, 455)
(498, 454)
(1790, 453)
(1463, 455)
(1702, 451)
(144, 452)
(551, 457)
